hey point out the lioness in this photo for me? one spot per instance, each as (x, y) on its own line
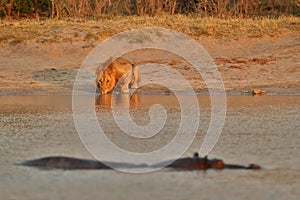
(119, 73)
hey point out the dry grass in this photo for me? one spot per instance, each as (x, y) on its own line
(50, 31)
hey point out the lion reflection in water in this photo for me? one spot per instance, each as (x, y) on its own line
(120, 99)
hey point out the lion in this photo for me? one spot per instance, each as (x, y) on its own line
(120, 73)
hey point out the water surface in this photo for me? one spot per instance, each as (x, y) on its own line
(259, 129)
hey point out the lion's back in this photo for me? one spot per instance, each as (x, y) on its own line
(121, 66)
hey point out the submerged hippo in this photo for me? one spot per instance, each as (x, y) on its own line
(188, 163)
(198, 163)
(69, 163)
(58, 162)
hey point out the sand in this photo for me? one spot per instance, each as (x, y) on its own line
(269, 63)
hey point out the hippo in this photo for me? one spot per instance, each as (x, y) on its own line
(198, 163)
(70, 163)
(188, 163)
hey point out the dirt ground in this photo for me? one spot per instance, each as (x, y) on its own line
(269, 63)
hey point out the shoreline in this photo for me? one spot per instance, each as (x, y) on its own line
(198, 93)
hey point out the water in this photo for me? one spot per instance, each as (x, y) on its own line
(262, 129)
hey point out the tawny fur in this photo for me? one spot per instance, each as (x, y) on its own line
(120, 73)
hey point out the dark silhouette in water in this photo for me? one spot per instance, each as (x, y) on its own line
(193, 163)
(198, 163)
(60, 162)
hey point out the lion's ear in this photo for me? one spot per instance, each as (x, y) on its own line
(112, 69)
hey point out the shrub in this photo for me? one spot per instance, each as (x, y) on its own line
(95, 8)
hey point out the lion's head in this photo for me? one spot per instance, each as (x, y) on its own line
(105, 81)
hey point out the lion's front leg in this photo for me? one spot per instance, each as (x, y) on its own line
(125, 83)
(125, 88)
(134, 85)
(135, 76)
